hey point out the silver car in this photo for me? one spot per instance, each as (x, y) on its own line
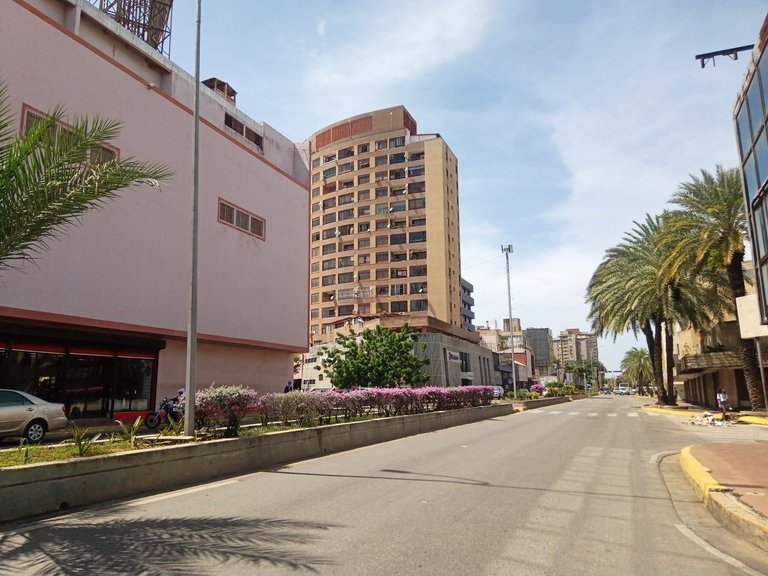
(22, 414)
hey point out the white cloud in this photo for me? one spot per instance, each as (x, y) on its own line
(320, 29)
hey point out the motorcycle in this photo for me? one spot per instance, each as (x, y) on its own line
(167, 410)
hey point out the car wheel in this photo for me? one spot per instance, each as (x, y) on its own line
(35, 431)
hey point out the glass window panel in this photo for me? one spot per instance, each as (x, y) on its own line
(761, 158)
(755, 105)
(763, 68)
(742, 122)
(760, 231)
(750, 178)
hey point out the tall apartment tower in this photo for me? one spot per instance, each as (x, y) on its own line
(543, 350)
(384, 223)
(574, 345)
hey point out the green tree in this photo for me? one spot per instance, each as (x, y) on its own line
(707, 233)
(636, 367)
(378, 357)
(630, 292)
(51, 174)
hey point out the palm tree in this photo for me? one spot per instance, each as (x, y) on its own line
(51, 174)
(708, 233)
(628, 292)
(636, 367)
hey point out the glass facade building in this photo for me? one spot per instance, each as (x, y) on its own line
(750, 117)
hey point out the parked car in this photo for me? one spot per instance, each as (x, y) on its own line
(498, 392)
(622, 390)
(25, 415)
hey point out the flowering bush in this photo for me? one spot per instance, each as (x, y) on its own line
(223, 405)
(537, 388)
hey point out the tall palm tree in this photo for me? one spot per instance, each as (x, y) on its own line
(51, 174)
(636, 367)
(628, 292)
(708, 232)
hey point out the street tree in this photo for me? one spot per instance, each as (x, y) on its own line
(707, 233)
(52, 174)
(636, 367)
(376, 357)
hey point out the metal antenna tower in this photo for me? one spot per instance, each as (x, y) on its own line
(150, 20)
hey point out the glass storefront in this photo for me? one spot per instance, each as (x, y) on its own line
(88, 381)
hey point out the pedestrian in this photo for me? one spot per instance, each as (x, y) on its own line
(722, 402)
(288, 387)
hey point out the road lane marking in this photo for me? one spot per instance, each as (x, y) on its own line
(611, 414)
(715, 552)
(573, 413)
(632, 414)
(592, 415)
(177, 493)
(554, 412)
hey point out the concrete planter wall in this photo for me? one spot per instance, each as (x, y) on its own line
(44, 488)
(541, 402)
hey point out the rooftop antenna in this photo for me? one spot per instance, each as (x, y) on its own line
(732, 53)
(150, 20)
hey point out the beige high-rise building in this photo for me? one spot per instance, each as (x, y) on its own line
(384, 223)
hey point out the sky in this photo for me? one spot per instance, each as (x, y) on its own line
(570, 120)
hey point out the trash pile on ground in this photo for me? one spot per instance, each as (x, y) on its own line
(708, 419)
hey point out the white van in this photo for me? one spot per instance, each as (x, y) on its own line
(622, 390)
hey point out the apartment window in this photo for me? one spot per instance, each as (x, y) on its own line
(364, 275)
(420, 221)
(346, 214)
(347, 184)
(363, 163)
(382, 224)
(398, 306)
(329, 203)
(347, 247)
(345, 261)
(346, 152)
(398, 289)
(316, 162)
(398, 273)
(346, 277)
(397, 141)
(329, 264)
(398, 191)
(346, 310)
(329, 248)
(382, 274)
(315, 221)
(415, 171)
(415, 187)
(315, 267)
(329, 312)
(314, 298)
(418, 287)
(346, 198)
(418, 254)
(329, 172)
(363, 195)
(418, 237)
(382, 308)
(315, 192)
(346, 167)
(316, 207)
(382, 192)
(397, 239)
(329, 218)
(382, 241)
(329, 158)
(381, 144)
(363, 148)
(381, 176)
(416, 156)
(380, 161)
(328, 188)
(382, 208)
(364, 227)
(398, 158)
(382, 290)
(364, 211)
(417, 203)
(418, 305)
(363, 179)
(397, 206)
(398, 257)
(242, 220)
(316, 177)
(382, 257)
(418, 270)
(364, 243)
(397, 224)
(397, 174)
(364, 259)
(329, 233)
(329, 280)
(314, 313)
(315, 250)
(314, 282)
(237, 126)
(315, 236)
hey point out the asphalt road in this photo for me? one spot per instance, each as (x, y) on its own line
(583, 488)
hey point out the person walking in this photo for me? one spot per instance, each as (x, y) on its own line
(722, 402)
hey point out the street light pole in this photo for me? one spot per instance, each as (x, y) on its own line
(507, 251)
(189, 393)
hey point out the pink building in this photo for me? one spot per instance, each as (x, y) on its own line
(100, 322)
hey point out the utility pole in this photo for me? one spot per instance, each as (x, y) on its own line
(189, 393)
(507, 251)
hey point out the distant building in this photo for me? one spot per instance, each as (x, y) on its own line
(572, 346)
(467, 302)
(543, 350)
(100, 323)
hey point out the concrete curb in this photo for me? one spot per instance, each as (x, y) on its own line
(726, 508)
(27, 491)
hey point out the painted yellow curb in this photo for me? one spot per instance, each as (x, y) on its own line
(754, 420)
(699, 477)
(686, 413)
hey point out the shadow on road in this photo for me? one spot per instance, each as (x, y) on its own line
(159, 546)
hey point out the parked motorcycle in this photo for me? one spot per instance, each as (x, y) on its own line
(168, 410)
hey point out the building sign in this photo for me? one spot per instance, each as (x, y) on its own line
(453, 357)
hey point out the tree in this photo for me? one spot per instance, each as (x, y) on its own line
(707, 232)
(629, 291)
(378, 357)
(636, 367)
(52, 174)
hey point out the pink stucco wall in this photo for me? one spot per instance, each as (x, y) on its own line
(129, 263)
